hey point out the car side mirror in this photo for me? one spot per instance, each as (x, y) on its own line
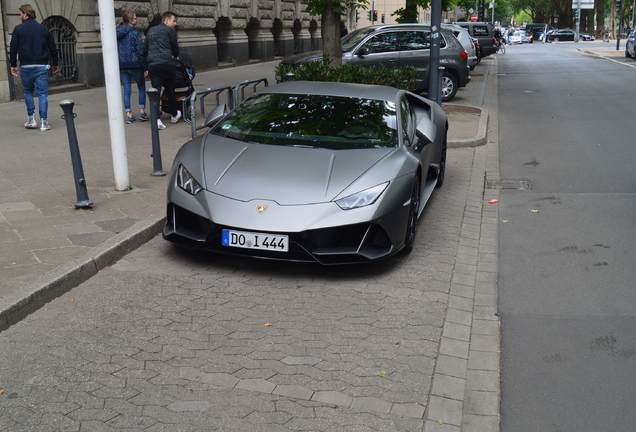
(362, 52)
(216, 115)
(426, 131)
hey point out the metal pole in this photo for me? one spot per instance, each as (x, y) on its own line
(76, 160)
(618, 30)
(434, 81)
(113, 93)
(153, 95)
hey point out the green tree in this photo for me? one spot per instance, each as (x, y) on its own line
(331, 12)
(408, 14)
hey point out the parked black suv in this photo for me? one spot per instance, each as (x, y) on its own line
(484, 33)
(399, 45)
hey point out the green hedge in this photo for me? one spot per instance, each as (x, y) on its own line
(320, 70)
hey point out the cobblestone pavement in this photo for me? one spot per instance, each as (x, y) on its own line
(170, 340)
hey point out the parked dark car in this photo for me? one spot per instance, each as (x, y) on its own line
(484, 33)
(562, 35)
(399, 45)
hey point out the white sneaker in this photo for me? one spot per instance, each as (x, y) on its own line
(31, 123)
(160, 125)
(174, 119)
(44, 125)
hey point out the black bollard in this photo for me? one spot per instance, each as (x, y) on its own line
(76, 159)
(153, 95)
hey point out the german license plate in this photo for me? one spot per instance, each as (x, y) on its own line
(252, 240)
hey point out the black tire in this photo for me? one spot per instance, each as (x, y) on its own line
(555, 39)
(442, 164)
(449, 86)
(411, 223)
(479, 56)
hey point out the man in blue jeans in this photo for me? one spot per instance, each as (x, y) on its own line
(32, 43)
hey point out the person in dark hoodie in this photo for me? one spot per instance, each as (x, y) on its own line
(132, 64)
(32, 43)
(161, 48)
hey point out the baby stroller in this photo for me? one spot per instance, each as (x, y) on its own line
(183, 83)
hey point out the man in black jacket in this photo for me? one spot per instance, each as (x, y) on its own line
(161, 48)
(32, 43)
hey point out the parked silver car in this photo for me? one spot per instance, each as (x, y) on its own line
(467, 41)
(321, 172)
(630, 45)
(399, 45)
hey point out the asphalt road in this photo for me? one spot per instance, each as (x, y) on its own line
(566, 285)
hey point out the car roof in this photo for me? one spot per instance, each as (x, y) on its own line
(363, 91)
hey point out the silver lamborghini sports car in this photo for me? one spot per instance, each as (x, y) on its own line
(308, 171)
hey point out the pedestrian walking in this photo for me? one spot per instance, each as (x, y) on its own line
(160, 49)
(32, 44)
(343, 29)
(132, 64)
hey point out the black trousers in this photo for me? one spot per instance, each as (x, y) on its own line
(164, 75)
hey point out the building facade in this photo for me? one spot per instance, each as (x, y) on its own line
(214, 32)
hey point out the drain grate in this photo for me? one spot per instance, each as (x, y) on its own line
(509, 184)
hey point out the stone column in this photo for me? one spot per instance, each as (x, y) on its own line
(302, 41)
(233, 46)
(261, 44)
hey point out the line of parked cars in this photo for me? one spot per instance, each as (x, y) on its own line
(349, 167)
(399, 45)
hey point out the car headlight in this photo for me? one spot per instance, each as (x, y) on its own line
(187, 182)
(362, 199)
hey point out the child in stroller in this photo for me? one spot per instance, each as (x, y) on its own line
(183, 82)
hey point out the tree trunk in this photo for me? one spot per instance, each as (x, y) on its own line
(330, 27)
(600, 18)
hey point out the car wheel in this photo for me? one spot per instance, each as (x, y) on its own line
(442, 164)
(627, 53)
(411, 223)
(478, 56)
(555, 39)
(581, 39)
(449, 86)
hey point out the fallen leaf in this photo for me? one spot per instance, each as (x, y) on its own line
(73, 299)
(441, 422)
(534, 211)
(382, 373)
(268, 325)
(1, 391)
(505, 220)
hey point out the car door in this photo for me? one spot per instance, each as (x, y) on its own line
(379, 49)
(415, 50)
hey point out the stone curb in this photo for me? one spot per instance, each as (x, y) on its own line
(67, 276)
(480, 138)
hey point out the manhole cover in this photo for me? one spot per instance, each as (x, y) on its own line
(509, 184)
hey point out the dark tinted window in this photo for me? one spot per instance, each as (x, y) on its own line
(480, 31)
(330, 122)
(417, 40)
(383, 42)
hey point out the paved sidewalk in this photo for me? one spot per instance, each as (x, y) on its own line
(50, 247)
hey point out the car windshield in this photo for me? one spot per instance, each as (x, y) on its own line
(352, 39)
(302, 120)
